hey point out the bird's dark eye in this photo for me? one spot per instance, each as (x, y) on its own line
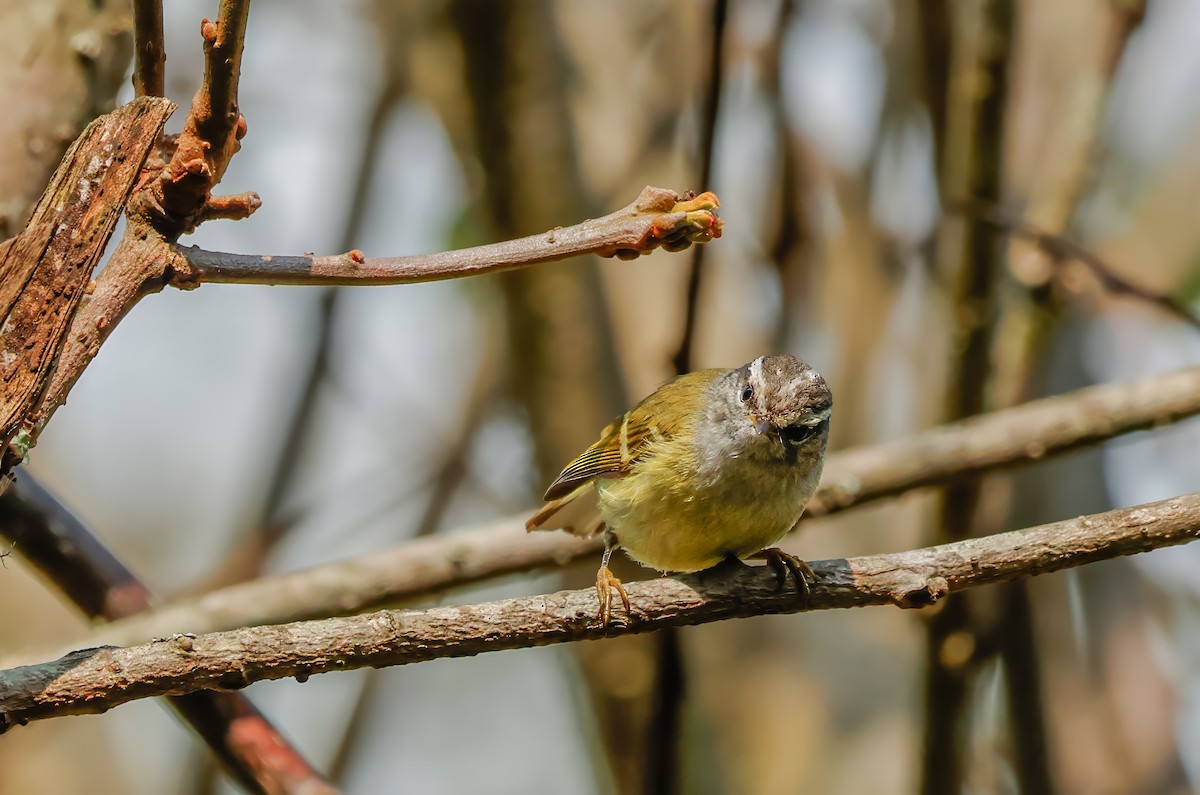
(747, 392)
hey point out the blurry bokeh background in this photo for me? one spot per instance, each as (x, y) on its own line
(233, 431)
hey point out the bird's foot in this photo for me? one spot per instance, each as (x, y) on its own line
(783, 563)
(606, 583)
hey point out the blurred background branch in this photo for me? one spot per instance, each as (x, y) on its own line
(52, 539)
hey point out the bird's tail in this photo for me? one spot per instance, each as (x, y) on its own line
(577, 512)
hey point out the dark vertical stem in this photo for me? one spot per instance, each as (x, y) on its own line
(666, 717)
(1018, 649)
(978, 268)
(149, 67)
(54, 541)
(1014, 632)
(563, 369)
(794, 231)
(933, 16)
(708, 133)
(365, 701)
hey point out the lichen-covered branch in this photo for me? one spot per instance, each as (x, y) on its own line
(427, 566)
(98, 679)
(658, 218)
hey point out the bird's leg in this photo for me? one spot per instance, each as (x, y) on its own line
(607, 582)
(782, 563)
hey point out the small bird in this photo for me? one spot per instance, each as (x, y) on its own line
(715, 464)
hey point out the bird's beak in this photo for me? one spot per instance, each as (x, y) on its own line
(761, 425)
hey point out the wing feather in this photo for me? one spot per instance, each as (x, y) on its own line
(628, 438)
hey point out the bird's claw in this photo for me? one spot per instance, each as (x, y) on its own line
(606, 583)
(783, 563)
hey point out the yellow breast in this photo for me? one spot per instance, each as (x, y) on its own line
(667, 516)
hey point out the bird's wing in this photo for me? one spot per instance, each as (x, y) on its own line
(657, 418)
(572, 504)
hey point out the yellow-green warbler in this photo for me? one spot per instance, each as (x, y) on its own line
(713, 465)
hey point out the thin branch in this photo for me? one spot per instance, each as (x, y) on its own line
(223, 44)
(97, 679)
(143, 264)
(456, 453)
(55, 542)
(657, 218)
(149, 53)
(427, 566)
(1061, 249)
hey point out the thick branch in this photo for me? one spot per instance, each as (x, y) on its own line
(658, 217)
(98, 679)
(424, 567)
(149, 53)
(45, 270)
(136, 268)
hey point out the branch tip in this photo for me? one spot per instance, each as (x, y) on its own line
(657, 218)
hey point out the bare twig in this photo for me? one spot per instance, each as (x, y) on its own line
(149, 53)
(1061, 249)
(98, 679)
(456, 463)
(54, 541)
(424, 567)
(657, 218)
